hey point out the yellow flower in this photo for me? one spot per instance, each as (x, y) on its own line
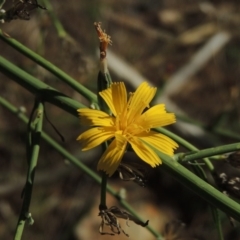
(129, 123)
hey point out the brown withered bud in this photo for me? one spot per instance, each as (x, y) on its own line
(104, 40)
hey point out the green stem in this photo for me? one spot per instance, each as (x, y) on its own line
(204, 190)
(210, 152)
(29, 139)
(199, 171)
(36, 136)
(39, 88)
(103, 82)
(176, 138)
(58, 25)
(185, 144)
(53, 143)
(215, 213)
(50, 67)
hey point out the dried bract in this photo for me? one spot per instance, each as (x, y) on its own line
(133, 171)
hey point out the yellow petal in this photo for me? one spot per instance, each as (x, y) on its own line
(93, 117)
(140, 100)
(156, 116)
(159, 141)
(112, 157)
(119, 96)
(144, 152)
(94, 137)
(107, 97)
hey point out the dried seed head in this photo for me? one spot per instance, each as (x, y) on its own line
(110, 218)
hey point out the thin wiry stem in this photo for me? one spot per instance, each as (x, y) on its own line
(32, 162)
(210, 152)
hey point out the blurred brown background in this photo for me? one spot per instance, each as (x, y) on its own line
(189, 49)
